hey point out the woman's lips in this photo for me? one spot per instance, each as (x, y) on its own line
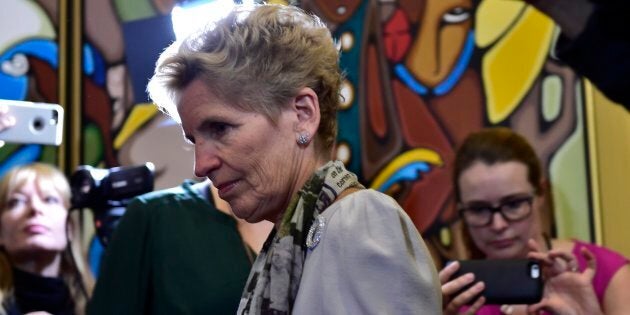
(502, 243)
(35, 229)
(225, 188)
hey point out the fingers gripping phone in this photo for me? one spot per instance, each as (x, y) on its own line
(507, 281)
(37, 123)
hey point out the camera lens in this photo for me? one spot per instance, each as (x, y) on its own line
(534, 271)
(38, 124)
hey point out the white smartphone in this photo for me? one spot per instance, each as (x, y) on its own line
(35, 123)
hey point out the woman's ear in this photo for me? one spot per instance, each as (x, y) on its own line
(306, 106)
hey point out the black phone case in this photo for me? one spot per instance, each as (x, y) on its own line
(517, 281)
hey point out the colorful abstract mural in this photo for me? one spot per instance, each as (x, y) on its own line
(107, 110)
(421, 75)
(29, 60)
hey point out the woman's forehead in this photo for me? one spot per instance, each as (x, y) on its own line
(482, 180)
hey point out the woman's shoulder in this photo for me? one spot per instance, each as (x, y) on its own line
(609, 262)
(372, 200)
(574, 246)
(180, 192)
(366, 207)
(602, 253)
(173, 203)
(174, 197)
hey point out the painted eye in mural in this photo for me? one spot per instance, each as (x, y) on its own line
(456, 15)
(17, 66)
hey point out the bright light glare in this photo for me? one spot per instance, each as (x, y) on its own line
(190, 18)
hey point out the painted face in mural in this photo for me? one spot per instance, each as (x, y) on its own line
(443, 31)
(251, 161)
(33, 222)
(493, 185)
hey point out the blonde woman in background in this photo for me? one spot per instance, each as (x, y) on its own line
(38, 271)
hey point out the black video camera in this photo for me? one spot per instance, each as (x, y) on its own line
(108, 191)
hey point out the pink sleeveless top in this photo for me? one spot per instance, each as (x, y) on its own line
(608, 263)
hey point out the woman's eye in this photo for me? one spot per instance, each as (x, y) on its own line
(15, 202)
(456, 15)
(479, 210)
(52, 200)
(218, 130)
(514, 204)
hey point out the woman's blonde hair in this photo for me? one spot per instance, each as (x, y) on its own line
(74, 269)
(256, 59)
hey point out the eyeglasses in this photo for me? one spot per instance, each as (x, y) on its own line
(512, 210)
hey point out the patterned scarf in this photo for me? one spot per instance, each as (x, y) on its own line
(275, 276)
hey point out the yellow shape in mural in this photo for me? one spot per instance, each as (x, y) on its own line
(512, 65)
(403, 160)
(140, 114)
(494, 18)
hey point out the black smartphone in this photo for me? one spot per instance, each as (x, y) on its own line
(508, 281)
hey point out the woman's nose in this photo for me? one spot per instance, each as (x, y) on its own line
(36, 205)
(206, 161)
(498, 222)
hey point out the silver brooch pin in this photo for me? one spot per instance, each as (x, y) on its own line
(315, 232)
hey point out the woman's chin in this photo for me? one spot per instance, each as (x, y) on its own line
(505, 253)
(243, 213)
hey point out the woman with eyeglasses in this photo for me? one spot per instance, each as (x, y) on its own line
(499, 188)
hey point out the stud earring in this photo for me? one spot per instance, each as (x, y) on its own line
(303, 138)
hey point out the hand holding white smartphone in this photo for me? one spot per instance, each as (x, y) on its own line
(31, 123)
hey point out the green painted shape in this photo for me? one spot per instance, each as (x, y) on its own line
(551, 97)
(7, 150)
(569, 178)
(49, 155)
(134, 10)
(92, 145)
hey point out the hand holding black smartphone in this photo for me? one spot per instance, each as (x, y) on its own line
(507, 281)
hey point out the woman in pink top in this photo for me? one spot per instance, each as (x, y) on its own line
(500, 192)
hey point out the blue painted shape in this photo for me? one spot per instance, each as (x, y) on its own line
(94, 65)
(450, 81)
(409, 80)
(95, 255)
(14, 87)
(410, 172)
(145, 39)
(460, 67)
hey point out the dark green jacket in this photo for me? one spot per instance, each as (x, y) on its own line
(172, 253)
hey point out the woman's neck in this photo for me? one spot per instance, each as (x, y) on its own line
(45, 265)
(253, 234)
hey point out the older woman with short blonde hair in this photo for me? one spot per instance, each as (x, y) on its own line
(257, 94)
